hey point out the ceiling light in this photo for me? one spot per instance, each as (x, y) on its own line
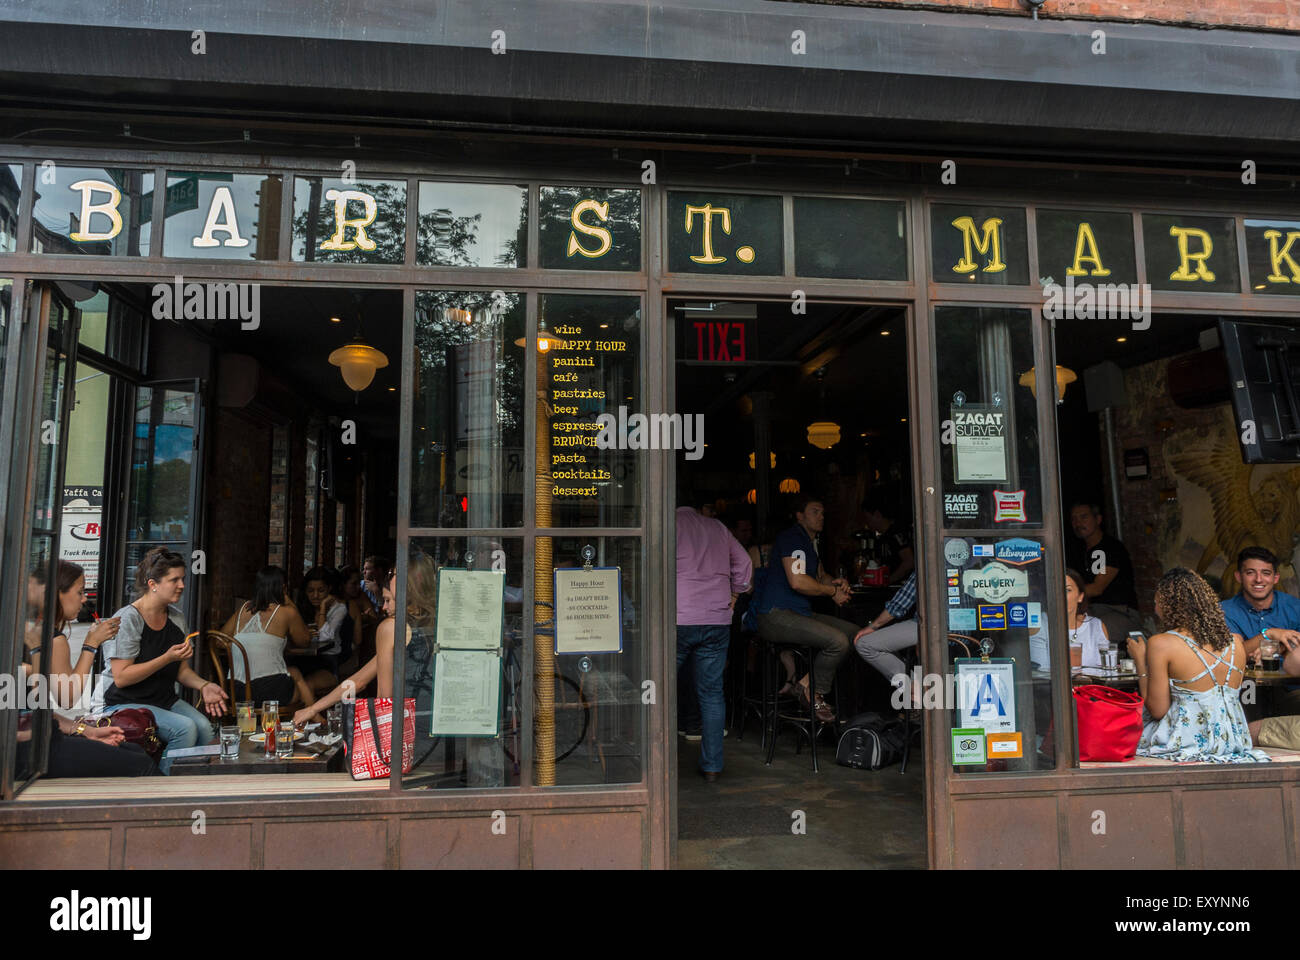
(823, 434)
(1064, 376)
(358, 361)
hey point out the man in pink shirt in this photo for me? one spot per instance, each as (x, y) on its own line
(712, 568)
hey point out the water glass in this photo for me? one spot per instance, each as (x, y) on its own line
(245, 718)
(284, 742)
(230, 743)
(1109, 657)
(334, 719)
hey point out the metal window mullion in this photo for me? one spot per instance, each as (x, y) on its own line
(404, 431)
(526, 701)
(26, 210)
(157, 211)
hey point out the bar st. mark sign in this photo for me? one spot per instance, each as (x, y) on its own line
(742, 234)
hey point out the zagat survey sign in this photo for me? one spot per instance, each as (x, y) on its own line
(995, 582)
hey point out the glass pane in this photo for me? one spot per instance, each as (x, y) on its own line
(987, 388)
(1191, 254)
(592, 367)
(162, 460)
(1273, 256)
(725, 233)
(92, 210)
(585, 228)
(50, 417)
(338, 222)
(979, 244)
(473, 225)
(11, 181)
(222, 216)
(467, 459)
(588, 716)
(311, 500)
(277, 532)
(34, 654)
(467, 696)
(859, 239)
(93, 332)
(1089, 245)
(83, 476)
(1003, 708)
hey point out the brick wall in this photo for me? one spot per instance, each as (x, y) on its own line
(238, 497)
(1247, 14)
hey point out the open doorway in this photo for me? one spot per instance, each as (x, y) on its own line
(802, 414)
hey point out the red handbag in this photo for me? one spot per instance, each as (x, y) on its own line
(138, 725)
(1109, 721)
(368, 737)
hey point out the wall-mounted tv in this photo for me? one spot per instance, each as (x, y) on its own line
(1264, 378)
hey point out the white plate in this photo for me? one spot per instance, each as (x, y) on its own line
(261, 737)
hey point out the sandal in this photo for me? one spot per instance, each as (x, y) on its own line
(789, 688)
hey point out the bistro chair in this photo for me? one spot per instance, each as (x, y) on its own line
(221, 649)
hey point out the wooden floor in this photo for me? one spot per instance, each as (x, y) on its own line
(168, 788)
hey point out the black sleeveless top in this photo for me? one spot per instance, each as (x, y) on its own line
(158, 689)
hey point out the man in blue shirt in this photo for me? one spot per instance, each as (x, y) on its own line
(1259, 612)
(785, 612)
(879, 641)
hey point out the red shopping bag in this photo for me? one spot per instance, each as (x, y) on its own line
(1110, 722)
(368, 737)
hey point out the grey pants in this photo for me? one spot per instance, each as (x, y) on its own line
(830, 635)
(1118, 620)
(878, 647)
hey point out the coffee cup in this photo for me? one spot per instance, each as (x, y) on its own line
(1128, 666)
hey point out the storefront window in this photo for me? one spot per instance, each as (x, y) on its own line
(854, 239)
(1273, 256)
(589, 228)
(724, 233)
(336, 221)
(92, 210)
(472, 225)
(591, 429)
(11, 180)
(1092, 246)
(467, 457)
(589, 660)
(225, 216)
(1191, 254)
(465, 661)
(994, 565)
(981, 244)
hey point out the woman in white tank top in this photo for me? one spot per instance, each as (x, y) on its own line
(1083, 629)
(262, 628)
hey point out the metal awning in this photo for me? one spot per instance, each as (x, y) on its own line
(674, 67)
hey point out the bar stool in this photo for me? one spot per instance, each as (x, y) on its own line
(745, 702)
(807, 724)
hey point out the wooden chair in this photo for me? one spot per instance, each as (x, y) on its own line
(220, 649)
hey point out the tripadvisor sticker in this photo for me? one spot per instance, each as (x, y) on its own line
(968, 746)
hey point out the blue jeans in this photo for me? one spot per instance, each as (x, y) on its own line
(705, 649)
(181, 726)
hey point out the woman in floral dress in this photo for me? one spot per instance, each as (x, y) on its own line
(1189, 677)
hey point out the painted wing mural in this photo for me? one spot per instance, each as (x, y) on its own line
(1246, 513)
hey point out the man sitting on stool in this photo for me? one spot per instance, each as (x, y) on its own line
(785, 616)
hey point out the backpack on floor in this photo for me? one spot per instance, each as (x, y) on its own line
(872, 745)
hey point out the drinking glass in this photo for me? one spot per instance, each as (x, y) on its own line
(1267, 653)
(230, 743)
(1076, 654)
(270, 725)
(334, 719)
(245, 718)
(284, 742)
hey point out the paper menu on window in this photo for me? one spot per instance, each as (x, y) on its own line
(466, 693)
(471, 609)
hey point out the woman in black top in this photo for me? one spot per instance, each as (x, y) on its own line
(149, 656)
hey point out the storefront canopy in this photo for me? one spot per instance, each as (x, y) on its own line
(722, 68)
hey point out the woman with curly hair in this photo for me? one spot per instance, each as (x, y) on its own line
(1199, 717)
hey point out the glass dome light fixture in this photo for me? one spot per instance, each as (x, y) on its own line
(358, 361)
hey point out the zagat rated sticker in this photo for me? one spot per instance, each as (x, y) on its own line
(1009, 506)
(961, 506)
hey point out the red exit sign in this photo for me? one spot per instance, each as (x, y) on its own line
(720, 341)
